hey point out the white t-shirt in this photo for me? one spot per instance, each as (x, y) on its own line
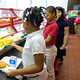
(34, 44)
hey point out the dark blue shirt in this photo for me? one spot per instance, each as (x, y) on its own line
(61, 25)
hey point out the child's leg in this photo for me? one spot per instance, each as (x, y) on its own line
(56, 66)
(50, 68)
(61, 60)
(50, 58)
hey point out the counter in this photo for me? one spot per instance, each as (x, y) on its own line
(12, 52)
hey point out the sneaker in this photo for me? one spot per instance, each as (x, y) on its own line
(56, 72)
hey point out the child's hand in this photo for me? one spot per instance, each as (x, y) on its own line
(74, 23)
(11, 73)
(63, 47)
(13, 44)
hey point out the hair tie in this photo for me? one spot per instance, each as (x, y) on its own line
(24, 20)
(31, 11)
(27, 14)
(22, 14)
(35, 24)
(42, 14)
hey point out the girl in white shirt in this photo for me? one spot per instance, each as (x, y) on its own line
(34, 49)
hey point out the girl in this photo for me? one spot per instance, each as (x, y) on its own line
(50, 34)
(62, 37)
(77, 23)
(34, 50)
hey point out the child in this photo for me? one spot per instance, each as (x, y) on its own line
(66, 16)
(50, 34)
(34, 50)
(62, 37)
(77, 22)
(77, 19)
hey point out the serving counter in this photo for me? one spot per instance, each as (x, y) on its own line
(11, 52)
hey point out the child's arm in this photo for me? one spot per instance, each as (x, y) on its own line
(16, 46)
(49, 38)
(35, 68)
(75, 21)
(66, 37)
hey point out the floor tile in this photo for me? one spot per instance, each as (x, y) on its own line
(70, 68)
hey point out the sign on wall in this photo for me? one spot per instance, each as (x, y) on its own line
(72, 13)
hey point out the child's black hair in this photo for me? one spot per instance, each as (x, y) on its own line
(35, 16)
(78, 13)
(51, 9)
(63, 12)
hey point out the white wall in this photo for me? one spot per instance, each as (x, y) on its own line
(39, 3)
(65, 4)
(62, 3)
(54, 2)
(11, 3)
(22, 4)
(2, 3)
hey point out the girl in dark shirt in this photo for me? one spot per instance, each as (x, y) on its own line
(62, 37)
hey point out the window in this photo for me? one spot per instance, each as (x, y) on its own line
(39, 3)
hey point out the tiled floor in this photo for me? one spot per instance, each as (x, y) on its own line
(70, 69)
